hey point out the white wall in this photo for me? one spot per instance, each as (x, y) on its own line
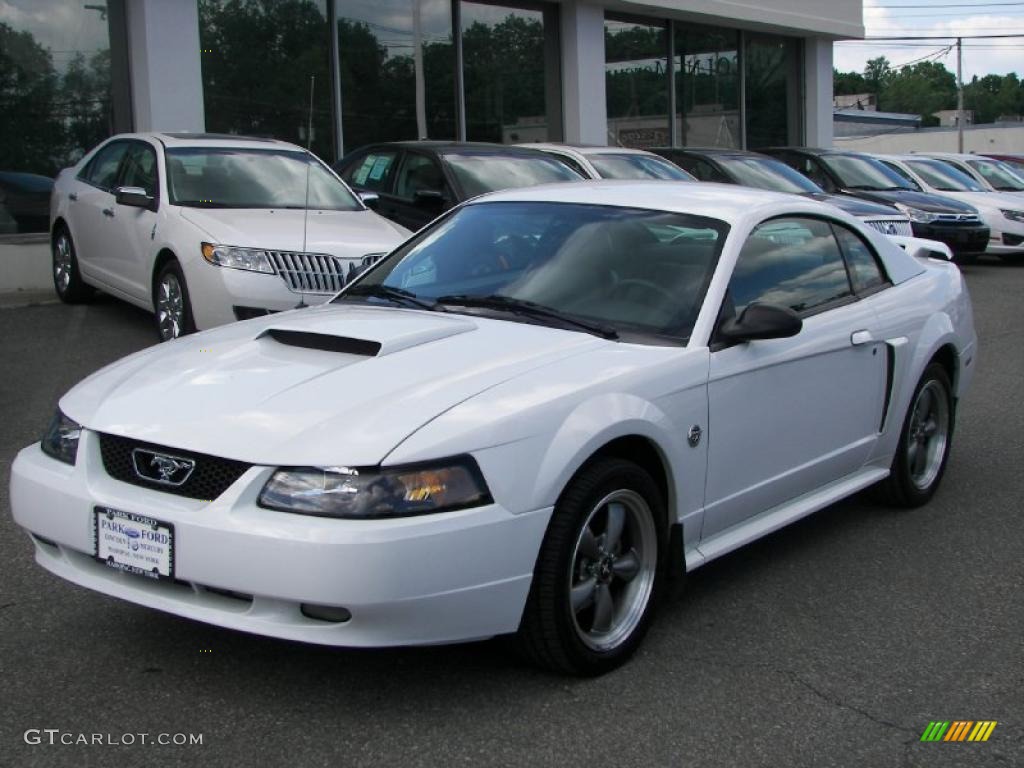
(818, 92)
(25, 267)
(837, 18)
(164, 59)
(1009, 139)
(584, 110)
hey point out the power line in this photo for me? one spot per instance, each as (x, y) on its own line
(944, 5)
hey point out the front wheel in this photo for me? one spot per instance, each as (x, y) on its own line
(925, 441)
(171, 304)
(67, 280)
(598, 573)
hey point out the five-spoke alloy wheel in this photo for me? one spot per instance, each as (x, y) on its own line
(599, 571)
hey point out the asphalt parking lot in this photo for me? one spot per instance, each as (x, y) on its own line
(831, 643)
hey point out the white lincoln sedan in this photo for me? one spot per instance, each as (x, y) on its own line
(204, 229)
(525, 420)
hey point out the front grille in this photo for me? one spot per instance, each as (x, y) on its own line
(899, 227)
(309, 272)
(958, 218)
(210, 478)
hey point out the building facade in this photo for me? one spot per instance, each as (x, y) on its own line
(336, 74)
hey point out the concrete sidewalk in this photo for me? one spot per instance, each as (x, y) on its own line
(25, 271)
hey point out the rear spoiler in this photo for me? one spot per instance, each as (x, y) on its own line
(923, 249)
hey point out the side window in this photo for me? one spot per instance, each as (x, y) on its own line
(102, 169)
(865, 271)
(139, 168)
(419, 173)
(372, 171)
(794, 262)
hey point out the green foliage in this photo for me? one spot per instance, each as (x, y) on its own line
(928, 87)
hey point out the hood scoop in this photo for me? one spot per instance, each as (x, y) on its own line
(322, 341)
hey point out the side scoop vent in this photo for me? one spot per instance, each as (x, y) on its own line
(323, 341)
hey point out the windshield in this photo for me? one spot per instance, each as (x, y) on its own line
(481, 173)
(631, 270)
(768, 174)
(864, 173)
(208, 177)
(944, 177)
(630, 166)
(998, 174)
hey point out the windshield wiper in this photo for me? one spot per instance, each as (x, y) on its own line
(381, 291)
(529, 309)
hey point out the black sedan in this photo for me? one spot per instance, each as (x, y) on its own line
(956, 224)
(751, 169)
(413, 182)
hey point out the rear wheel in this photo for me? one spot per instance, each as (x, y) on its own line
(925, 441)
(67, 280)
(598, 573)
(171, 305)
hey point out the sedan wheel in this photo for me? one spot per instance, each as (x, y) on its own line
(171, 304)
(67, 281)
(925, 441)
(598, 573)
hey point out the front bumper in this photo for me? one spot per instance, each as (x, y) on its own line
(961, 239)
(216, 291)
(421, 580)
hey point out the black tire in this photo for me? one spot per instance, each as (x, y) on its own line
(904, 487)
(172, 308)
(67, 280)
(551, 634)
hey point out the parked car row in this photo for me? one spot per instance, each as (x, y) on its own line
(204, 229)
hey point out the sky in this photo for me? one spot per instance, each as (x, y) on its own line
(891, 18)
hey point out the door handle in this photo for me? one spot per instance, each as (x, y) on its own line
(108, 212)
(72, 196)
(861, 337)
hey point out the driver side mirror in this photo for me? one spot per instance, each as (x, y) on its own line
(133, 196)
(762, 321)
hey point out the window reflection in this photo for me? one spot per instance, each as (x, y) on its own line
(504, 73)
(707, 87)
(55, 99)
(636, 83)
(397, 63)
(258, 58)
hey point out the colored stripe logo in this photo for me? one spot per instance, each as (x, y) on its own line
(958, 730)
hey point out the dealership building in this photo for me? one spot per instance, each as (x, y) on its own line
(337, 74)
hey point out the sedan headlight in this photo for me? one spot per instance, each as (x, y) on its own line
(916, 214)
(1013, 215)
(252, 259)
(360, 494)
(61, 438)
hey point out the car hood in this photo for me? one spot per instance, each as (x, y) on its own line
(920, 200)
(855, 206)
(257, 392)
(346, 234)
(989, 200)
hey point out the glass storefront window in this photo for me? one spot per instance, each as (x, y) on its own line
(707, 82)
(55, 97)
(636, 83)
(397, 61)
(771, 64)
(505, 69)
(258, 58)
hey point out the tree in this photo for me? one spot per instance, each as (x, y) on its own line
(922, 89)
(848, 83)
(877, 74)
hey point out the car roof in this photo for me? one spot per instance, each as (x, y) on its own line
(728, 202)
(817, 151)
(452, 147)
(586, 149)
(716, 152)
(171, 139)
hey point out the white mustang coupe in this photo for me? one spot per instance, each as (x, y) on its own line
(526, 419)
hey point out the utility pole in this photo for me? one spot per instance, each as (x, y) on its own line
(959, 95)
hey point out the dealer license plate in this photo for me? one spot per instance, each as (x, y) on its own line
(134, 543)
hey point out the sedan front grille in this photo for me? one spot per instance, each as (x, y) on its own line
(899, 227)
(209, 479)
(309, 272)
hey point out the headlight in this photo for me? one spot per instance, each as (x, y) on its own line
(1013, 215)
(376, 492)
(61, 438)
(253, 259)
(916, 214)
